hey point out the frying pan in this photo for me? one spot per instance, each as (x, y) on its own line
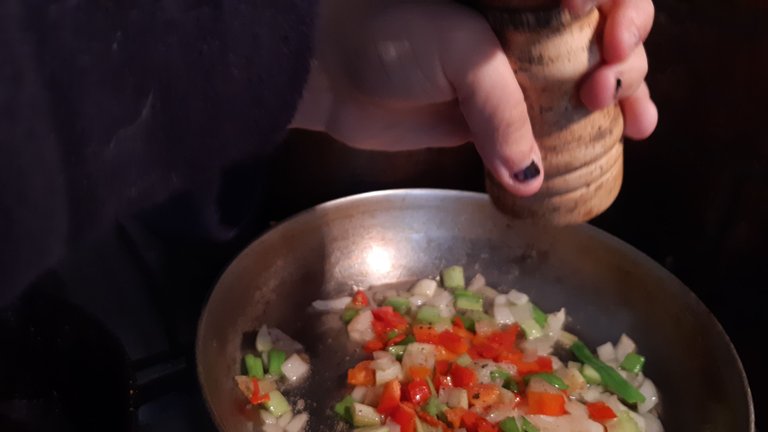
(606, 286)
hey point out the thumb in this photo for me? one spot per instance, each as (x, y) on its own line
(494, 108)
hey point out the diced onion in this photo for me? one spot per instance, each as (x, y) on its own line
(298, 423)
(267, 417)
(501, 412)
(245, 384)
(263, 340)
(418, 354)
(648, 389)
(652, 423)
(373, 395)
(455, 397)
(624, 347)
(546, 423)
(476, 283)
(284, 419)
(425, 288)
(607, 352)
(417, 301)
(566, 339)
(394, 372)
(555, 322)
(361, 327)
(572, 378)
(540, 346)
(522, 313)
(485, 327)
(283, 342)
(379, 355)
(295, 368)
(577, 409)
(358, 393)
(331, 305)
(441, 298)
(501, 312)
(517, 297)
(593, 393)
(267, 385)
(483, 369)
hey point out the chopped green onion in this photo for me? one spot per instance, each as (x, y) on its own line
(469, 303)
(464, 360)
(453, 277)
(539, 316)
(364, 415)
(633, 362)
(609, 376)
(528, 426)
(532, 329)
(277, 405)
(431, 386)
(504, 378)
(344, 408)
(399, 304)
(391, 334)
(468, 322)
(509, 424)
(408, 340)
(433, 406)
(623, 423)
(499, 375)
(429, 314)
(397, 351)
(276, 360)
(349, 314)
(590, 374)
(551, 379)
(511, 385)
(254, 366)
(465, 293)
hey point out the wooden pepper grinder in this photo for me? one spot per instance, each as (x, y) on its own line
(550, 51)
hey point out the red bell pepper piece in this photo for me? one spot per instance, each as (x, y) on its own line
(600, 412)
(405, 417)
(462, 376)
(256, 396)
(454, 416)
(484, 425)
(551, 404)
(425, 334)
(373, 345)
(418, 391)
(453, 342)
(442, 367)
(419, 372)
(359, 299)
(390, 397)
(361, 374)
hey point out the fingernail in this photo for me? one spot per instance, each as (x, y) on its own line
(618, 88)
(528, 173)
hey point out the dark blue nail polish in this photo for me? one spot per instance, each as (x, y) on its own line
(530, 172)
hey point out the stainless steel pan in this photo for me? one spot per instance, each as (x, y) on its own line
(606, 286)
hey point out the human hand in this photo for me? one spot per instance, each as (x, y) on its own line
(400, 75)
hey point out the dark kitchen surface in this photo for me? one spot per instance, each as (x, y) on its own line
(695, 199)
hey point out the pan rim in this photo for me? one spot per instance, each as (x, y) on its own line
(474, 197)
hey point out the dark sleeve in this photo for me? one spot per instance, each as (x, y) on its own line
(107, 107)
